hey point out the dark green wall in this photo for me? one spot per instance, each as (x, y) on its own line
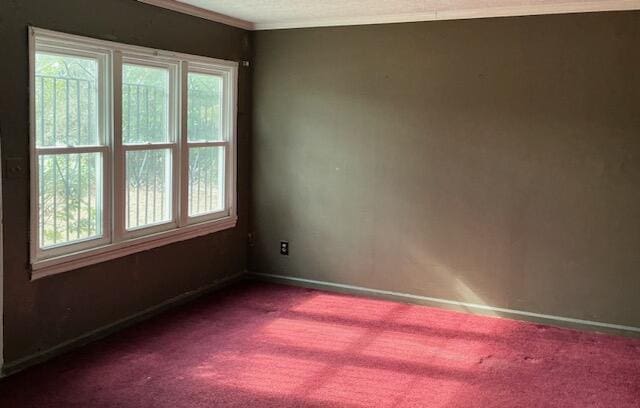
(492, 161)
(47, 312)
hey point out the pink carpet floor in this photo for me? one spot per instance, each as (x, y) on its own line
(264, 345)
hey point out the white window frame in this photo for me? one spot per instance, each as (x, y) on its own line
(102, 56)
(174, 135)
(228, 136)
(117, 241)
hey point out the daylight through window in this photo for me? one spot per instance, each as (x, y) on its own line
(132, 147)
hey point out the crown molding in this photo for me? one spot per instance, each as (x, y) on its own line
(437, 15)
(200, 12)
(430, 15)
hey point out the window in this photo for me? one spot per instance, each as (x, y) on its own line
(206, 142)
(131, 148)
(149, 144)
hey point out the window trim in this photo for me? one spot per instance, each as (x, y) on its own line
(117, 241)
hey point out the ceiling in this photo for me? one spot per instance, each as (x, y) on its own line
(277, 14)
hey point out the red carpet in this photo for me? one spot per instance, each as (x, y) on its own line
(261, 345)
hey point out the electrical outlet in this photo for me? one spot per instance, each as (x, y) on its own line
(284, 248)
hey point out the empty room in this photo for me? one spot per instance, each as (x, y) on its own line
(341, 203)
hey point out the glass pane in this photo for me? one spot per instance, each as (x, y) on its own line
(205, 107)
(148, 193)
(145, 104)
(66, 92)
(70, 198)
(206, 180)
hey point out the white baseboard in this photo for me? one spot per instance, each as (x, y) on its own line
(471, 307)
(101, 332)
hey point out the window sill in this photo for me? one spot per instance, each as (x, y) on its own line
(64, 263)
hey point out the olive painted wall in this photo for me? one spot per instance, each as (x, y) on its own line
(47, 312)
(492, 161)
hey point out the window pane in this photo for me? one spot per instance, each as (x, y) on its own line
(206, 180)
(205, 107)
(70, 198)
(148, 187)
(145, 104)
(66, 92)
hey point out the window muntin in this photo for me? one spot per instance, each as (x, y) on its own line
(126, 173)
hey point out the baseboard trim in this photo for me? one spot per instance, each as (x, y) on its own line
(104, 331)
(452, 304)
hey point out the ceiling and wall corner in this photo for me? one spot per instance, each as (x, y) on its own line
(183, 7)
(281, 14)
